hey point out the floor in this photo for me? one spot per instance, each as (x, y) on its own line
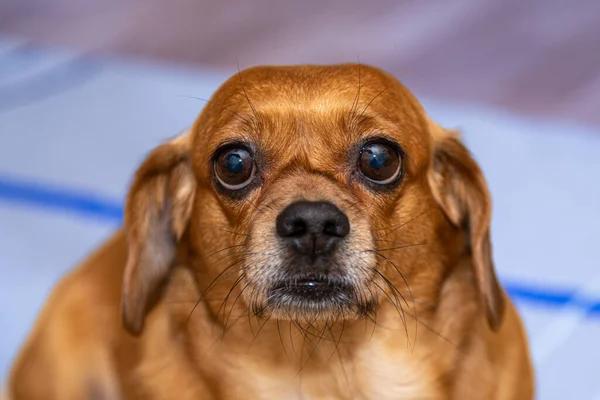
(517, 76)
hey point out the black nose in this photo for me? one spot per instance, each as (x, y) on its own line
(312, 228)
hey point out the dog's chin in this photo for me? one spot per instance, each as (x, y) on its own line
(314, 299)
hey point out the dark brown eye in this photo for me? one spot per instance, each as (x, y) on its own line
(380, 163)
(234, 168)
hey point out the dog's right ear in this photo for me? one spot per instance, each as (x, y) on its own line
(157, 212)
(460, 189)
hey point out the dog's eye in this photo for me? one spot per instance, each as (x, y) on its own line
(234, 168)
(380, 162)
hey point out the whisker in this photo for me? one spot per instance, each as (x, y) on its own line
(337, 351)
(212, 285)
(398, 225)
(356, 100)
(374, 314)
(397, 306)
(307, 333)
(372, 100)
(406, 283)
(390, 241)
(313, 351)
(314, 335)
(224, 303)
(291, 335)
(386, 259)
(258, 209)
(439, 335)
(235, 114)
(245, 93)
(336, 342)
(226, 326)
(281, 341)
(353, 205)
(226, 248)
(251, 301)
(244, 251)
(394, 288)
(404, 246)
(224, 230)
(257, 333)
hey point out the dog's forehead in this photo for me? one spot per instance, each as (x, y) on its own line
(310, 111)
(314, 88)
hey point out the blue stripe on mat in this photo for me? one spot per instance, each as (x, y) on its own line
(92, 205)
(60, 199)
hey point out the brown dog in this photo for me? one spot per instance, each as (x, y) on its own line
(313, 236)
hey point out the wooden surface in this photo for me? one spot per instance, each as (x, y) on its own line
(529, 56)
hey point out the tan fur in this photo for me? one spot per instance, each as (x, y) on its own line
(163, 310)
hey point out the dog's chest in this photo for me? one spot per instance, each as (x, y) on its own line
(400, 374)
(372, 375)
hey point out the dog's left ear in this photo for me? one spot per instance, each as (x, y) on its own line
(460, 189)
(157, 212)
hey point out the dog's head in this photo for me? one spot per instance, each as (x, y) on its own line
(317, 192)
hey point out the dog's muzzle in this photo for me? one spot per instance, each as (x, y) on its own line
(311, 232)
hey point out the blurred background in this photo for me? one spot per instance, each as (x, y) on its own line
(87, 87)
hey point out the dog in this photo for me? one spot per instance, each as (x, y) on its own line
(313, 235)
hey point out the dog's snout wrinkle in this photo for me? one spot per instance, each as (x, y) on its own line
(312, 228)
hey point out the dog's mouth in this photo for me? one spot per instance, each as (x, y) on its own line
(312, 294)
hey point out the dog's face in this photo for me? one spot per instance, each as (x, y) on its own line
(317, 192)
(311, 175)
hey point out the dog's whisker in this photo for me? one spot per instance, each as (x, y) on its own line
(213, 284)
(238, 116)
(438, 334)
(374, 312)
(372, 100)
(386, 259)
(281, 341)
(193, 301)
(226, 248)
(251, 307)
(258, 332)
(391, 286)
(391, 241)
(404, 246)
(224, 303)
(395, 227)
(306, 333)
(233, 305)
(337, 343)
(354, 107)
(233, 253)
(353, 205)
(291, 334)
(397, 305)
(218, 228)
(314, 349)
(246, 93)
(313, 334)
(257, 208)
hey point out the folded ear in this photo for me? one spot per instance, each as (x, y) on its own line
(157, 212)
(461, 191)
